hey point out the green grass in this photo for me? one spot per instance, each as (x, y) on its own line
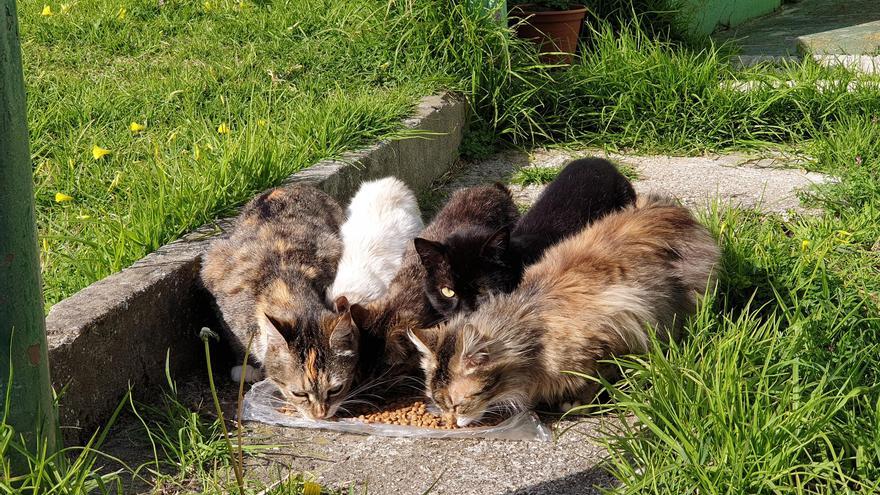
(775, 388)
(527, 176)
(296, 81)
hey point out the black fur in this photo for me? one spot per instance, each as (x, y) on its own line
(476, 261)
(472, 262)
(585, 191)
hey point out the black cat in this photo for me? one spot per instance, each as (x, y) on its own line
(472, 263)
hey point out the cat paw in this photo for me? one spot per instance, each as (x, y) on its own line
(567, 406)
(251, 374)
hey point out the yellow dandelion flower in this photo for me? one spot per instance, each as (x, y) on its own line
(311, 488)
(47, 11)
(99, 152)
(121, 14)
(60, 197)
(223, 129)
(208, 6)
(262, 122)
(197, 152)
(135, 127)
(805, 245)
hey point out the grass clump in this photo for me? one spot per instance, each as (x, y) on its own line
(528, 176)
(233, 96)
(774, 389)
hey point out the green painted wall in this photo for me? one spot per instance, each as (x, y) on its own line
(702, 17)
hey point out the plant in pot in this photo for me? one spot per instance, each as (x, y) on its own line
(555, 25)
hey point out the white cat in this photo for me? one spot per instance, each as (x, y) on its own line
(383, 218)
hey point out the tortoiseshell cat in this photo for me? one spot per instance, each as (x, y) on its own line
(404, 306)
(590, 297)
(473, 263)
(268, 279)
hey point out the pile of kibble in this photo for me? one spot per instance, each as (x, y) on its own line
(410, 414)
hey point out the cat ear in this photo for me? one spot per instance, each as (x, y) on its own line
(497, 243)
(359, 316)
(341, 304)
(276, 331)
(423, 340)
(431, 253)
(475, 351)
(343, 338)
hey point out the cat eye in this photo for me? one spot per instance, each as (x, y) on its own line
(335, 390)
(301, 395)
(447, 292)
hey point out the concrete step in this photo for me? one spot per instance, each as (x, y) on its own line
(833, 32)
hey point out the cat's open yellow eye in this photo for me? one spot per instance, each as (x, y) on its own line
(447, 292)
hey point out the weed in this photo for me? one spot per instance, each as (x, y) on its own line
(528, 176)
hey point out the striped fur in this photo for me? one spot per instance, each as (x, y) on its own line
(590, 297)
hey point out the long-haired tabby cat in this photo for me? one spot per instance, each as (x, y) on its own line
(473, 263)
(590, 297)
(405, 306)
(383, 219)
(268, 279)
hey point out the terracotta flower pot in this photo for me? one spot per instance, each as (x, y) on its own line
(553, 30)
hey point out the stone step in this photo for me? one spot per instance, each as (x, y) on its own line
(832, 32)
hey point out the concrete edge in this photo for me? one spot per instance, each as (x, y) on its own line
(115, 333)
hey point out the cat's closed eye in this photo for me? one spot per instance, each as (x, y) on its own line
(301, 395)
(447, 292)
(335, 390)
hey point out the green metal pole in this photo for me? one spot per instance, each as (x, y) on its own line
(22, 324)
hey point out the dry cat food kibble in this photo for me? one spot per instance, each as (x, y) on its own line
(409, 414)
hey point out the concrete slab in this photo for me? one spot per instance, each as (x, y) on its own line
(858, 39)
(410, 466)
(770, 183)
(776, 35)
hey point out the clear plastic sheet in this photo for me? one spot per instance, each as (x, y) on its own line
(262, 402)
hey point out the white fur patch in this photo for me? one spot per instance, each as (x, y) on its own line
(251, 374)
(383, 219)
(463, 421)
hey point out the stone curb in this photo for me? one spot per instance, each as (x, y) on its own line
(865, 64)
(115, 333)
